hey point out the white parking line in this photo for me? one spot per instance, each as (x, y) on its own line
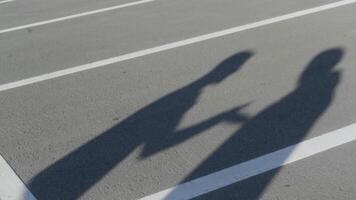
(105, 62)
(6, 1)
(74, 16)
(257, 166)
(11, 187)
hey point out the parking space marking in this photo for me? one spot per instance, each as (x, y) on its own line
(6, 1)
(11, 186)
(93, 12)
(145, 52)
(257, 166)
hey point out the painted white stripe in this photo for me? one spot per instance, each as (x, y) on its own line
(257, 166)
(6, 1)
(11, 187)
(74, 16)
(169, 46)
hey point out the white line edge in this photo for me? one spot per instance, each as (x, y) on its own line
(74, 16)
(6, 1)
(11, 186)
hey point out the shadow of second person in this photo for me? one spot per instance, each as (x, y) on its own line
(152, 126)
(284, 123)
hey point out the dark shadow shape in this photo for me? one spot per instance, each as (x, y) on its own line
(282, 124)
(154, 126)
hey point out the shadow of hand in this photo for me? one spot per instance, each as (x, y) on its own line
(234, 115)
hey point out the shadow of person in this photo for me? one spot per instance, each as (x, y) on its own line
(153, 126)
(284, 123)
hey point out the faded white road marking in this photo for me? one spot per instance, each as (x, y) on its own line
(6, 1)
(257, 166)
(11, 187)
(169, 46)
(74, 16)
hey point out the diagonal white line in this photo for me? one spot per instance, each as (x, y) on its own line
(169, 46)
(6, 1)
(11, 186)
(257, 166)
(74, 16)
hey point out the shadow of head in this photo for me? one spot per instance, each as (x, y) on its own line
(320, 70)
(227, 67)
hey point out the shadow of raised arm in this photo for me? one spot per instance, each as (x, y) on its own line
(232, 116)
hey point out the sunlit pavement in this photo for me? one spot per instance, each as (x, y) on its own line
(158, 99)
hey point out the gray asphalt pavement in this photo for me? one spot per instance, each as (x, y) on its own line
(134, 128)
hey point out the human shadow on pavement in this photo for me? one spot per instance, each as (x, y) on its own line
(284, 123)
(153, 126)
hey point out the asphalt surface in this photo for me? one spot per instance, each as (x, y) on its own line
(134, 128)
